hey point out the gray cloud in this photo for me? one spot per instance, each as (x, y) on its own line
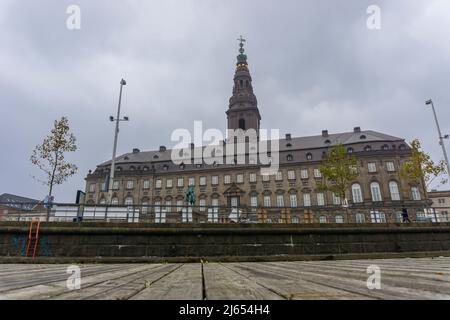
(315, 66)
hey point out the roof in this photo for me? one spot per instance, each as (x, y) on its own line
(18, 202)
(298, 143)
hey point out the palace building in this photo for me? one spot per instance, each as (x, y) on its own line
(152, 178)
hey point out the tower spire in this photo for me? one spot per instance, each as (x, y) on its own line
(243, 110)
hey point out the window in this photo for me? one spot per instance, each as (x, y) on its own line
(377, 217)
(336, 200)
(360, 218)
(242, 123)
(291, 175)
(368, 149)
(252, 177)
(309, 157)
(92, 187)
(339, 219)
(350, 150)
(415, 194)
(158, 184)
(215, 203)
(279, 176)
(191, 182)
(116, 185)
(317, 173)
(304, 173)
(168, 206)
(179, 205)
(202, 204)
(254, 201)
(203, 181)
(240, 178)
(393, 189)
(144, 207)
(115, 201)
(376, 192)
(390, 167)
(385, 147)
(357, 193)
(180, 182)
(103, 202)
(215, 180)
(293, 200)
(267, 201)
(290, 157)
(146, 184)
(130, 184)
(320, 199)
(103, 186)
(322, 219)
(227, 179)
(372, 167)
(266, 178)
(441, 201)
(306, 199)
(129, 201)
(169, 183)
(280, 201)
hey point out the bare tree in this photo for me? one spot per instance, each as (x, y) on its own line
(50, 156)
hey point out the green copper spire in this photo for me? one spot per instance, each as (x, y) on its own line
(242, 58)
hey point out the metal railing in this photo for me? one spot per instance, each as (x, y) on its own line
(361, 214)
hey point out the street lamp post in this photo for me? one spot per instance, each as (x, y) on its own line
(441, 137)
(116, 134)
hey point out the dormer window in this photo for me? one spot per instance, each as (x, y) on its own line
(155, 156)
(290, 157)
(119, 169)
(385, 147)
(350, 150)
(309, 156)
(402, 147)
(327, 142)
(126, 158)
(182, 166)
(368, 148)
(145, 168)
(288, 145)
(165, 167)
(132, 168)
(363, 137)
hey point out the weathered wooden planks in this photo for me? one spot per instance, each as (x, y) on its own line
(424, 278)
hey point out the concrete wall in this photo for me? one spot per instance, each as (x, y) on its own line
(163, 241)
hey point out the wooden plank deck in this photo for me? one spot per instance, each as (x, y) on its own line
(425, 278)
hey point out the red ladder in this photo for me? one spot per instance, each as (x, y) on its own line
(33, 238)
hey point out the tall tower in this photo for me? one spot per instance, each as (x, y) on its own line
(243, 110)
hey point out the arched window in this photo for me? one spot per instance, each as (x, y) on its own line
(322, 219)
(242, 124)
(103, 201)
(363, 137)
(357, 193)
(415, 194)
(289, 157)
(360, 218)
(128, 201)
(376, 192)
(309, 156)
(368, 148)
(393, 189)
(115, 201)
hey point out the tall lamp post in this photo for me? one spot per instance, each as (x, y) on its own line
(441, 137)
(116, 134)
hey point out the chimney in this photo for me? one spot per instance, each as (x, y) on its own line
(357, 130)
(325, 133)
(162, 149)
(136, 150)
(288, 136)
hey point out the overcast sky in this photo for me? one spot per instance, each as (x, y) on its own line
(315, 66)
